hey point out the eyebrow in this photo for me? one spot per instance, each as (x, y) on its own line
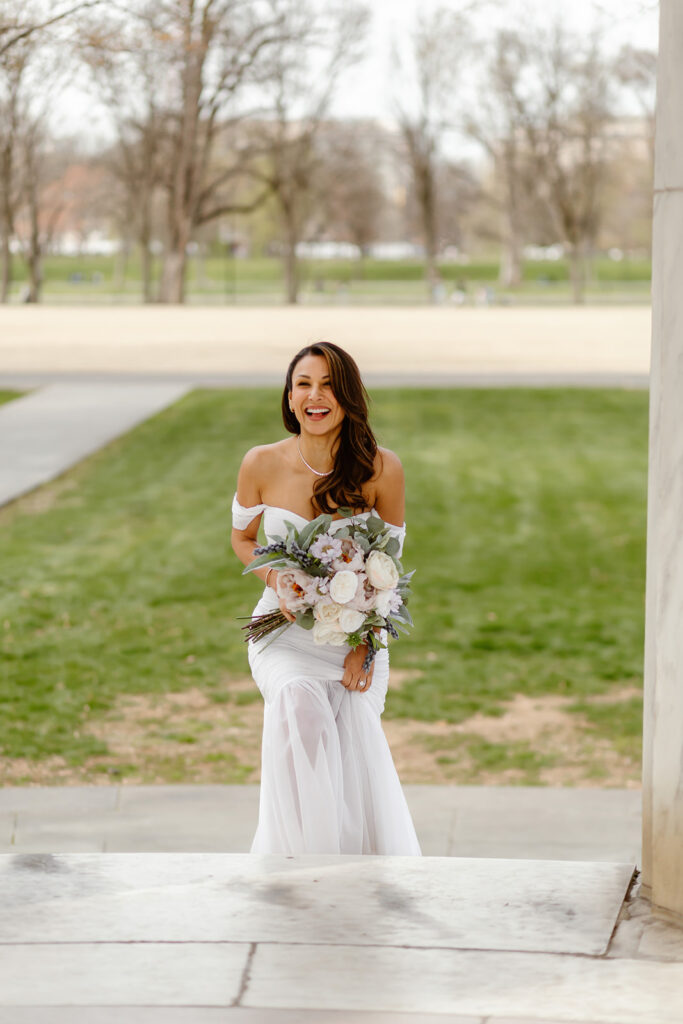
(306, 376)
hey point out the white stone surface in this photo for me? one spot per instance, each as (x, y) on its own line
(157, 974)
(663, 704)
(45, 432)
(406, 340)
(526, 822)
(669, 138)
(564, 906)
(221, 1015)
(561, 988)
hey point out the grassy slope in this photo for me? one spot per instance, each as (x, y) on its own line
(526, 523)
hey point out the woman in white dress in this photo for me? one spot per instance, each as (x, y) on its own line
(328, 781)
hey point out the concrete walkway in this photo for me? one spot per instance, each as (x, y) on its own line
(556, 823)
(44, 433)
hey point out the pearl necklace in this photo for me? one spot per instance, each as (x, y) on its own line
(317, 473)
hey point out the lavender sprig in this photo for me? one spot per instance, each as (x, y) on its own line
(391, 629)
(369, 658)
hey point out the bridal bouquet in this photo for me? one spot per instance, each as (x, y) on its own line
(343, 585)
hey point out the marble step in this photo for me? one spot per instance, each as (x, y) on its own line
(343, 939)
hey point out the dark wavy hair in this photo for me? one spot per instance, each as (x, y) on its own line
(354, 457)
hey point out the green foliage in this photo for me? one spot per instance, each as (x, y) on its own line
(526, 525)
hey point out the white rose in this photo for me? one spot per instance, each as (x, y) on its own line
(343, 586)
(381, 570)
(327, 633)
(383, 602)
(350, 620)
(327, 612)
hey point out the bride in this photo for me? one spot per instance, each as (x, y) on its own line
(328, 781)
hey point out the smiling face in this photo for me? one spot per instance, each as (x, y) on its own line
(311, 398)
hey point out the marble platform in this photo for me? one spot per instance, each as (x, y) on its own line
(99, 938)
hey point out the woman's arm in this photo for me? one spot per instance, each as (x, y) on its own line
(244, 541)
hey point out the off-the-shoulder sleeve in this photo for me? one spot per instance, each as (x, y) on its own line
(241, 516)
(399, 532)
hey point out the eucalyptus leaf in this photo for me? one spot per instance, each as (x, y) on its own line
(392, 546)
(374, 525)
(305, 619)
(307, 534)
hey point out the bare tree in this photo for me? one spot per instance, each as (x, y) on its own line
(498, 124)
(438, 51)
(203, 55)
(568, 137)
(351, 186)
(13, 69)
(303, 73)
(636, 72)
(18, 22)
(132, 77)
(546, 121)
(216, 48)
(30, 68)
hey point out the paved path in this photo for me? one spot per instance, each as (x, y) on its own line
(578, 341)
(44, 433)
(466, 821)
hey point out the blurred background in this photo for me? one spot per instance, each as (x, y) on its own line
(261, 151)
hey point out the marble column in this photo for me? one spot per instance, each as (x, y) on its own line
(663, 715)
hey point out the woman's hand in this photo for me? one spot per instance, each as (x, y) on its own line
(271, 581)
(355, 678)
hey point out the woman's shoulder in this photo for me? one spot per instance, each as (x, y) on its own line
(258, 466)
(263, 456)
(388, 466)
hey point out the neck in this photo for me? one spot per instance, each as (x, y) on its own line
(318, 450)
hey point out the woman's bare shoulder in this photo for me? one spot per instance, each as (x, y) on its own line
(388, 466)
(257, 467)
(263, 455)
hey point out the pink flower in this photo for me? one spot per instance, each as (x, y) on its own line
(351, 556)
(326, 548)
(364, 598)
(296, 589)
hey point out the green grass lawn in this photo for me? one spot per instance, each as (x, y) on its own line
(526, 524)
(8, 396)
(222, 279)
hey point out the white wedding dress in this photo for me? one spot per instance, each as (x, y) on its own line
(328, 781)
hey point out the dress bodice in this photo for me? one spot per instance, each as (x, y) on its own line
(274, 519)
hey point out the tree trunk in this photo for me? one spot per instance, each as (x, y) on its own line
(577, 273)
(121, 266)
(146, 261)
(6, 270)
(510, 275)
(291, 260)
(173, 276)
(429, 233)
(34, 258)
